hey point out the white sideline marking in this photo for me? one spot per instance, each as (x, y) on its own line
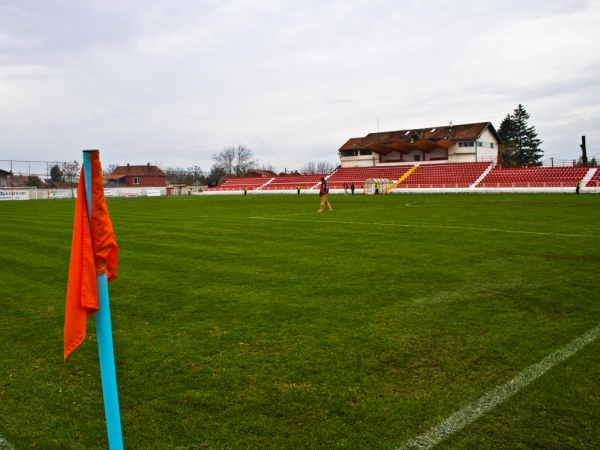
(4, 444)
(460, 419)
(429, 226)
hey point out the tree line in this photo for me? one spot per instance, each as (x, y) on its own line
(235, 161)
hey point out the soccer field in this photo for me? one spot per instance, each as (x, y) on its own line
(254, 322)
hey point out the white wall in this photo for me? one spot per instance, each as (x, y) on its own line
(359, 160)
(437, 153)
(394, 156)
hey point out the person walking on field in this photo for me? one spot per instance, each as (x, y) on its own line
(245, 190)
(323, 194)
(578, 186)
(352, 188)
(298, 187)
(376, 189)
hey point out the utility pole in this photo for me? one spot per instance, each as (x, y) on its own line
(583, 152)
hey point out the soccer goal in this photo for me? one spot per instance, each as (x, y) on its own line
(19, 193)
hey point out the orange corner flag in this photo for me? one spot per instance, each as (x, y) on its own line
(93, 252)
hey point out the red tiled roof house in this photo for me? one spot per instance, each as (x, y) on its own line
(136, 176)
(452, 143)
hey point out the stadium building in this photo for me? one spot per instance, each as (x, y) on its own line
(474, 142)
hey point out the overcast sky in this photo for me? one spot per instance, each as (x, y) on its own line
(174, 82)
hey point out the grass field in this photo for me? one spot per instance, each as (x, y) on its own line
(254, 322)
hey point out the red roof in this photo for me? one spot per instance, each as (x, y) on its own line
(135, 171)
(352, 143)
(465, 132)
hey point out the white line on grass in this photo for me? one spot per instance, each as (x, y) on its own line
(427, 226)
(460, 419)
(5, 445)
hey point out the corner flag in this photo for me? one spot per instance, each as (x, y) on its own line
(93, 252)
(93, 264)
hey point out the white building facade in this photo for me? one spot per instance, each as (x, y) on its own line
(475, 142)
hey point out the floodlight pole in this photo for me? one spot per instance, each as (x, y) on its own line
(106, 354)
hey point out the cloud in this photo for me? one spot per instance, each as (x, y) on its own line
(293, 80)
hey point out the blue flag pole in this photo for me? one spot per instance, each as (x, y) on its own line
(108, 372)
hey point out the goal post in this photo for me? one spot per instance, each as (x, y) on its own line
(19, 193)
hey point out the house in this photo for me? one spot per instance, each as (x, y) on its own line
(136, 176)
(4, 178)
(453, 143)
(18, 180)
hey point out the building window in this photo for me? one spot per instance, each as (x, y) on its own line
(366, 152)
(136, 180)
(417, 157)
(491, 145)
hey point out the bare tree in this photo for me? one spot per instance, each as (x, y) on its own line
(243, 160)
(324, 167)
(309, 168)
(71, 173)
(236, 161)
(225, 160)
(270, 167)
(109, 169)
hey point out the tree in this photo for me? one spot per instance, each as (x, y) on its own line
(521, 146)
(320, 167)
(36, 181)
(215, 175)
(324, 167)
(269, 167)
(243, 160)
(310, 168)
(225, 160)
(56, 174)
(71, 174)
(109, 169)
(236, 161)
(195, 174)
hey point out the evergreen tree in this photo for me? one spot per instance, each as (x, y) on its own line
(56, 174)
(521, 144)
(508, 149)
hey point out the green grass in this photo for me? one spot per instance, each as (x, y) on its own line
(355, 329)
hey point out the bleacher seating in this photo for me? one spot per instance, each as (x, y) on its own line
(358, 175)
(440, 175)
(238, 184)
(291, 182)
(538, 177)
(447, 175)
(595, 180)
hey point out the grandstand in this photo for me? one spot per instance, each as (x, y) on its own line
(358, 175)
(291, 182)
(238, 184)
(448, 175)
(426, 175)
(594, 181)
(534, 177)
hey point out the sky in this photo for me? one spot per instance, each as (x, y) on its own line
(172, 83)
